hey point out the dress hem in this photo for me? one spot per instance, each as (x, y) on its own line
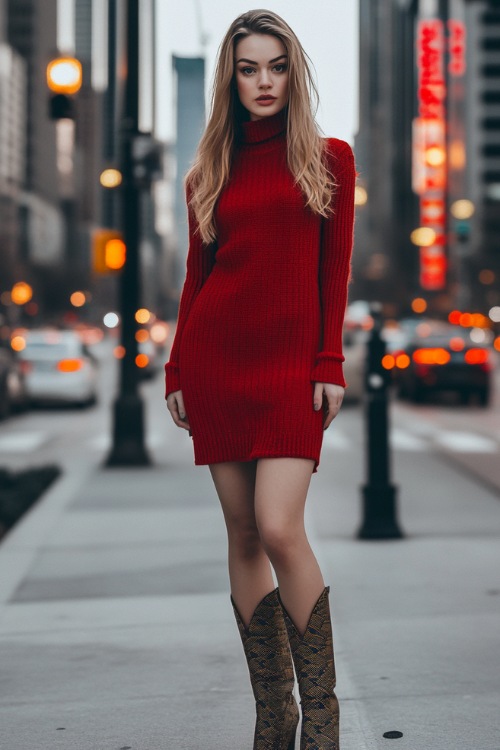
(256, 457)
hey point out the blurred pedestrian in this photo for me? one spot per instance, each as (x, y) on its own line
(255, 371)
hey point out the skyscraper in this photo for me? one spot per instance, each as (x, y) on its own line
(31, 30)
(190, 123)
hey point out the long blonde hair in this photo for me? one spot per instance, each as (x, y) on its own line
(305, 145)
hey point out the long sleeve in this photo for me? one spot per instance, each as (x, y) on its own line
(200, 261)
(335, 263)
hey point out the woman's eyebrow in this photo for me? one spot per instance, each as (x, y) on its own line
(252, 62)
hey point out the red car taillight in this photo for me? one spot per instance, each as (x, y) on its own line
(476, 356)
(70, 365)
(431, 356)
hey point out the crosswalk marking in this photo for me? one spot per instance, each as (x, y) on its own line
(22, 442)
(405, 441)
(465, 442)
(336, 439)
(418, 440)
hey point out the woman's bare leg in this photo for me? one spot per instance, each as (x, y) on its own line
(249, 568)
(281, 486)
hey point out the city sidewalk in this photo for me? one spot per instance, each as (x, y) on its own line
(116, 630)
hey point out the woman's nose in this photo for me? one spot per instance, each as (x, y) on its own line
(265, 80)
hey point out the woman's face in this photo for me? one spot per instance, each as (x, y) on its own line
(261, 70)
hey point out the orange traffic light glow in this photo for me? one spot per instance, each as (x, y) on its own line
(64, 75)
(114, 254)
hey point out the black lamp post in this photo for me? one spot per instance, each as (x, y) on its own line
(129, 447)
(378, 494)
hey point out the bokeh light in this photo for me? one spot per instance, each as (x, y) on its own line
(78, 299)
(110, 178)
(360, 196)
(21, 293)
(142, 335)
(487, 276)
(18, 343)
(423, 236)
(419, 305)
(142, 360)
(111, 320)
(494, 314)
(462, 209)
(159, 332)
(143, 316)
(478, 335)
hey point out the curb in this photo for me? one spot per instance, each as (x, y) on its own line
(20, 546)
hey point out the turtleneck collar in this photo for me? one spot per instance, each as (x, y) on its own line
(256, 131)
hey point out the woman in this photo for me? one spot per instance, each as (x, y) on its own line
(255, 372)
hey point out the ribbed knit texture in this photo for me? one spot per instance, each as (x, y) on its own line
(261, 312)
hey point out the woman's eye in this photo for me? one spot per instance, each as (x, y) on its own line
(246, 71)
(280, 68)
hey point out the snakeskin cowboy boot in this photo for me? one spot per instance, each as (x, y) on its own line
(266, 647)
(315, 668)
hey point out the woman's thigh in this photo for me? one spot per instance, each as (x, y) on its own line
(281, 486)
(235, 485)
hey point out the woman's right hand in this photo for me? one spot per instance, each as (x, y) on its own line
(175, 405)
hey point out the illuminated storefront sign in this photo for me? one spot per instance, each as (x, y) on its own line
(430, 152)
(456, 47)
(429, 149)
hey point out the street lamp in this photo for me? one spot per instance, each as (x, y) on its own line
(64, 78)
(423, 236)
(128, 448)
(462, 209)
(111, 178)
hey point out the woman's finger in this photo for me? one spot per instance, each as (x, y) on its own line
(175, 405)
(318, 396)
(334, 397)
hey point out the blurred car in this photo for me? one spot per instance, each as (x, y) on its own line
(354, 339)
(58, 367)
(443, 357)
(12, 385)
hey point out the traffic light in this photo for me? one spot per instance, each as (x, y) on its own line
(64, 78)
(108, 251)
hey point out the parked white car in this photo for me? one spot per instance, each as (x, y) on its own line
(354, 345)
(58, 367)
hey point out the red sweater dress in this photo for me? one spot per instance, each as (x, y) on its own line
(261, 311)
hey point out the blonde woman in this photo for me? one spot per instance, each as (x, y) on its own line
(255, 371)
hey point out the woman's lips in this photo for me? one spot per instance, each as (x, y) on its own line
(265, 102)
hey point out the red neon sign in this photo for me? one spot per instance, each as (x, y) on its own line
(430, 59)
(430, 148)
(456, 47)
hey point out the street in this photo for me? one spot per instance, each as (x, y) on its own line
(467, 436)
(115, 623)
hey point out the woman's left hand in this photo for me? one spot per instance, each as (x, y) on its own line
(333, 395)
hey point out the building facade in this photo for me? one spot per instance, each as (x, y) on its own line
(32, 32)
(429, 140)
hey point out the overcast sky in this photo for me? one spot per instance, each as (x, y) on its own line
(327, 29)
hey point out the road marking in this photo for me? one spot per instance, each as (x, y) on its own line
(402, 440)
(22, 442)
(465, 442)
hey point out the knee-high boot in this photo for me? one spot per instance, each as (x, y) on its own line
(267, 651)
(315, 668)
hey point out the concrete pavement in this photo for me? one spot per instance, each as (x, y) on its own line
(116, 631)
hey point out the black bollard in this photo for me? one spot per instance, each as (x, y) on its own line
(378, 494)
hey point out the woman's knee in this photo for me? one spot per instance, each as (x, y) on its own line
(244, 542)
(282, 542)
